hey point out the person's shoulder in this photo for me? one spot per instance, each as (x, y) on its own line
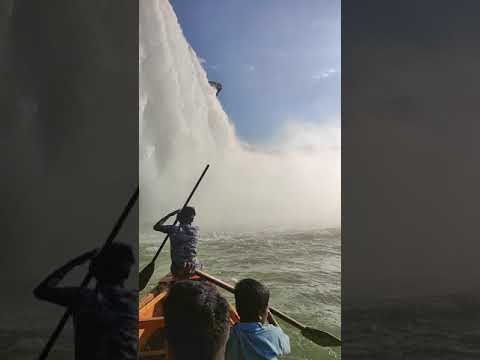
(84, 297)
(239, 328)
(235, 335)
(250, 328)
(171, 229)
(128, 300)
(273, 330)
(120, 292)
(278, 337)
(193, 229)
(123, 292)
(84, 292)
(117, 299)
(270, 327)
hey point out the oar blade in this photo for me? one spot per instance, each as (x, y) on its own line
(321, 338)
(145, 275)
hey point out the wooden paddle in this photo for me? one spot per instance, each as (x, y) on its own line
(319, 337)
(88, 277)
(147, 272)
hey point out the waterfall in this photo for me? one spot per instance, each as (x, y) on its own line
(292, 180)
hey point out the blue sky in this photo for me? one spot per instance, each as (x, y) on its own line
(278, 60)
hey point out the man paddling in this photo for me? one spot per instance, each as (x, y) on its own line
(105, 318)
(183, 242)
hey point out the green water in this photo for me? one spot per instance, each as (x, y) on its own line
(301, 269)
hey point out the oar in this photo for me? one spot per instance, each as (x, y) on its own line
(319, 337)
(147, 272)
(88, 277)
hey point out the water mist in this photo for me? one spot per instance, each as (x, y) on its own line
(292, 180)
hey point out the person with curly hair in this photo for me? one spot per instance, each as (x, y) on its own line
(196, 321)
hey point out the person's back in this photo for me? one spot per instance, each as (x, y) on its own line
(256, 341)
(105, 318)
(106, 323)
(252, 339)
(183, 242)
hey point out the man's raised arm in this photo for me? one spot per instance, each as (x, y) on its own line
(49, 290)
(164, 228)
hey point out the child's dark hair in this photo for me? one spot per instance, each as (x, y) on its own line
(251, 299)
(112, 265)
(196, 320)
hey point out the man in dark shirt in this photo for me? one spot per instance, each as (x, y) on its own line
(106, 317)
(183, 242)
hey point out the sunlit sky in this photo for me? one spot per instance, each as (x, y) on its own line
(278, 60)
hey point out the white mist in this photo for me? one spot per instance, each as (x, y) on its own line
(293, 181)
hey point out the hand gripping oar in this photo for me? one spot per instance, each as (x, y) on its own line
(88, 277)
(147, 272)
(319, 337)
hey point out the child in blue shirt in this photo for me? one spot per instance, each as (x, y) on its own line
(252, 338)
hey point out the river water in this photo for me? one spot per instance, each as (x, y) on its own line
(300, 267)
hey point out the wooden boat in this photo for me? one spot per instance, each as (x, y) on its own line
(152, 344)
(151, 336)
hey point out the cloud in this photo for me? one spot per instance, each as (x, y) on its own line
(300, 135)
(325, 74)
(206, 65)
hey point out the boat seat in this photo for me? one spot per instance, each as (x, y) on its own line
(156, 322)
(147, 327)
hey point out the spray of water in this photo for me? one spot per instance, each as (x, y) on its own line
(291, 181)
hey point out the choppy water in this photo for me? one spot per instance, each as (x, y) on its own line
(25, 329)
(301, 269)
(440, 328)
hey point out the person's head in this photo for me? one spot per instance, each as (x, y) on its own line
(196, 321)
(186, 215)
(251, 300)
(112, 265)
